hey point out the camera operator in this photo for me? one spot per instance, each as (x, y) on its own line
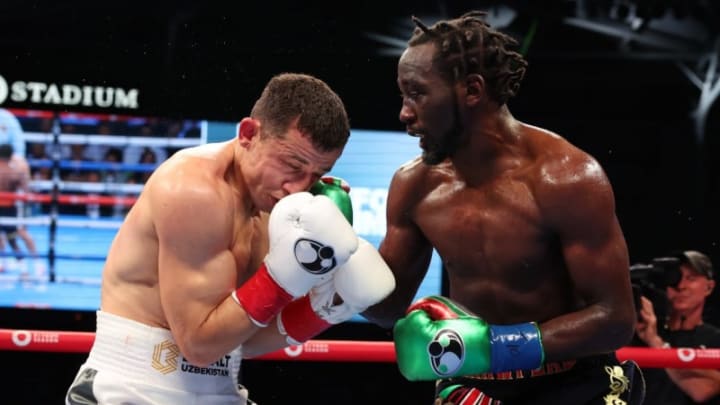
(682, 326)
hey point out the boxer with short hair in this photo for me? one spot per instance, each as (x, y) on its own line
(223, 239)
(525, 224)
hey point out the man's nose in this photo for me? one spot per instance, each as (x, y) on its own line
(406, 114)
(298, 185)
(682, 284)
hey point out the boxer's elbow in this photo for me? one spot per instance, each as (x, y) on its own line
(198, 353)
(201, 358)
(620, 325)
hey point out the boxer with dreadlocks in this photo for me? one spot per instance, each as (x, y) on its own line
(525, 223)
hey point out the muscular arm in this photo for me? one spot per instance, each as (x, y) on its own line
(404, 248)
(698, 384)
(266, 340)
(197, 271)
(578, 203)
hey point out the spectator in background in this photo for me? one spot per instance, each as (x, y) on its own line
(683, 327)
(115, 174)
(110, 174)
(134, 154)
(76, 155)
(148, 156)
(96, 151)
(147, 130)
(183, 129)
(38, 152)
(174, 129)
(152, 127)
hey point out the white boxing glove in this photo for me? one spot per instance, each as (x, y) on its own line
(363, 281)
(309, 240)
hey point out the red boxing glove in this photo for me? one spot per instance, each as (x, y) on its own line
(309, 239)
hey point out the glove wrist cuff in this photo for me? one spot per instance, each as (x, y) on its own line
(261, 297)
(300, 322)
(515, 347)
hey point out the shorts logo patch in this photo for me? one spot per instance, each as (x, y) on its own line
(619, 383)
(165, 356)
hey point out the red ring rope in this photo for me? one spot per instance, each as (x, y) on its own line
(344, 350)
(69, 198)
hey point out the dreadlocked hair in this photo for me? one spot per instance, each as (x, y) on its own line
(468, 45)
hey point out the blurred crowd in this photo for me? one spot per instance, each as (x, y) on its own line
(39, 153)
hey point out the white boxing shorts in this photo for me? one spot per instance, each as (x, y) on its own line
(132, 363)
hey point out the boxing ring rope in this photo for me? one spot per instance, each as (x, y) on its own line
(71, 198)
(81, 342)
(344, 350)
(48, 192)
(118, 195)
(53, 221)
(112, 140)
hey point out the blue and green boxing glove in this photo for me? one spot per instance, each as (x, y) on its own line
(439, 339)
(337, 190)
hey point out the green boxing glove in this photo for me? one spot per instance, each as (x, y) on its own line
(439, 339)
(337, 190)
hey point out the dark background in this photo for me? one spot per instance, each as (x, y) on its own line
(628, 105)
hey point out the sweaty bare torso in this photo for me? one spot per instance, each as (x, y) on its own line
(130, 276)
(503, 261)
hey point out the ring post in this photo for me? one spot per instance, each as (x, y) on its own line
(54, 193)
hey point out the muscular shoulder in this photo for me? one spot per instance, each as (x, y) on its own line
(189, 183)
(415, 179)
(405, 189)
(569, 179)
(411, 184)
(409, 173)
(419, 177)
(184, 174)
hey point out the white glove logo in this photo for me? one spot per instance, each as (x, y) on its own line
(315, 257)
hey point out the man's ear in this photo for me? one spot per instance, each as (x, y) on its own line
(247, 129)
(474, 89)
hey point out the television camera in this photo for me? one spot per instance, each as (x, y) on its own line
(651, 280)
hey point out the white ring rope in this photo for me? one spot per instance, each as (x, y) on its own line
(31, 278)
(87, 187)
(113, 140)
(69, 223)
